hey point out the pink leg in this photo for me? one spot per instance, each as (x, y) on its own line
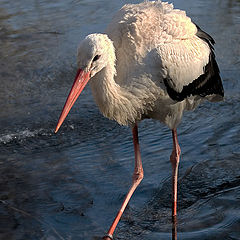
(174, 158)
(137, 178)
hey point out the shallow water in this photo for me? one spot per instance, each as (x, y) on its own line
(70, 185)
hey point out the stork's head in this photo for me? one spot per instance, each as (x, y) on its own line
(94, 53)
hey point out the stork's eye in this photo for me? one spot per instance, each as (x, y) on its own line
(96, 58)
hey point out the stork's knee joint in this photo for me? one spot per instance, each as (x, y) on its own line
(138, 176)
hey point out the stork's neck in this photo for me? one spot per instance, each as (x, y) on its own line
(115, 102)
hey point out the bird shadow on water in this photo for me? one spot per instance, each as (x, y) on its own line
(207, 199)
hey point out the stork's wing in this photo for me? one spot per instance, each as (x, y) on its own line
(184, 52)
(191, 68)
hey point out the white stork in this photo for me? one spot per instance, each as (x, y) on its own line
(153, 62)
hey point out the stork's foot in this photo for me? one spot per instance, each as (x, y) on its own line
(108, 237)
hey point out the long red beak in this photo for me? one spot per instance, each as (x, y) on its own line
(80, 82)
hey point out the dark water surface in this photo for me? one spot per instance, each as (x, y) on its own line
(70, 185)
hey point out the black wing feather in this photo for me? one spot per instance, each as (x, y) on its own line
(206, 84)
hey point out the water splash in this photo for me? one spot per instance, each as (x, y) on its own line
(20, 135)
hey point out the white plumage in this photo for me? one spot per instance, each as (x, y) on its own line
(153, 62)
(150, 41)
